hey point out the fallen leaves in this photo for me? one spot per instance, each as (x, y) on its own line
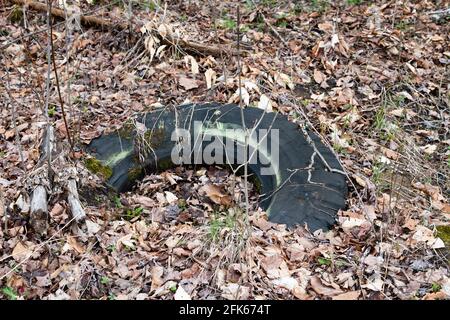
(321, 289)
(20, 252)
(211, 77)
(188, 83)
(350, 295)
(216, 194)
(152, 255)
(181, 294)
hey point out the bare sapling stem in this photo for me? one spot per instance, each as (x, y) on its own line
(49, 6)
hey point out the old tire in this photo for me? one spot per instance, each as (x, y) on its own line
(303, 190)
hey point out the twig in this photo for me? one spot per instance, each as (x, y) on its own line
(75, 205)
(56, 75)
(242, 113)
(14, 120)
(277, 34)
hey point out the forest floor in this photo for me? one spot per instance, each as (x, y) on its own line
(372, 77)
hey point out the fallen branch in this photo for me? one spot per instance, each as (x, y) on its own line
(39, 210)
(75, 205)
(93, 21)
(196, 48)
(89, 21)
(38, 207)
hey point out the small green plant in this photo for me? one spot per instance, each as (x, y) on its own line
(16, 15)
(2, 154)
(133, 213)
(436, 287)
(10, 293)
(377, 170)
(218, 223)
(354, 2)
(402, 25)
(385, 128)
(269, 3)
(182, 204)
(148, 4)
(111, 248)
(173, 288)
(305, 102)
(319, 5)
(338, 148)
(324, 261)
(380, 118)
(117, 202)
(282, 23)
(112, 297)
(104, 280)
(227, 23)
(51, 111)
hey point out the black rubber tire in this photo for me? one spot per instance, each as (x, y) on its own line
(289, 198)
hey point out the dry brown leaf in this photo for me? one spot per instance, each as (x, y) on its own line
(210, 76)
(318, 287)
(350, 295)
(20, 252)
(390, 154)
(433, 191)
(157, 279)
(326, 26)
(144, 201)
(181, 294)
(72, 241)
(435, 296)
(188, 83)
(216, 194)
(319, 77)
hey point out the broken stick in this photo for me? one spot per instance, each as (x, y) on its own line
(39, 210)
(74, 201)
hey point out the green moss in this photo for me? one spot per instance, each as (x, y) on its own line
(16, 15)
(443, 232)
(135, 174)
(95, 166)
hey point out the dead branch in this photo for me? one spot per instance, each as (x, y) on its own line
(198, 48)
(75, 205)
(38, 207)
(88, 21)
(93, 21)
(39, 210)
